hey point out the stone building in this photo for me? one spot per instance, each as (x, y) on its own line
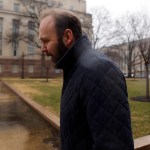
(119, 54)
(18, 55)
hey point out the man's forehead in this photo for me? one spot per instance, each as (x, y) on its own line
(47, 27)
(48, 20)
(47, 24)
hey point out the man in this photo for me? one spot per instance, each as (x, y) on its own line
(94, 104)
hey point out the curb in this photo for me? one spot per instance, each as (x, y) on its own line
(142, 143)
(47, 115)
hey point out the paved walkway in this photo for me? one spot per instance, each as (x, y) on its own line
(12, 135)
(17, 134)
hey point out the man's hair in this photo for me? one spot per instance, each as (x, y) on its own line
(64, 20)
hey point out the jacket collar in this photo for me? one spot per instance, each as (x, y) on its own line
(73, 54)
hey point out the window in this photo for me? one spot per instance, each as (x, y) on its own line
(31, 28)
(16, 7)
(1, 5)
(149, 66)
(31, 36)
(31, 69)
(30, 49)
(71, 7)
(60, 5)
(15, 34)
(81, 19)
(16, 24)
(14, 48)
(31, 9)
(1, 29)
(50, 3)
(15, 69)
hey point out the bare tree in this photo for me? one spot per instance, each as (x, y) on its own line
(102, 27)
(143, 36)
(125, 39)
(27, 31)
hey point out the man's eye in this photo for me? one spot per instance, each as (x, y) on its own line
(45, 41)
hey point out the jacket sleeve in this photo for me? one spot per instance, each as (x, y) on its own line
(107, 110)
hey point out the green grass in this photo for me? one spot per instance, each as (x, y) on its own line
(140, 116)
(140, 111)
(48, 94)
(45, 93)
(136, 87)
(50, 98)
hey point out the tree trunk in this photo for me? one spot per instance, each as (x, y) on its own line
(147, 81)
(129, 68)
(47, 74)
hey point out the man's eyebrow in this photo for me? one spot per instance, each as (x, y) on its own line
(43, 38)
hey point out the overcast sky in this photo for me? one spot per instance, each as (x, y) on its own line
(118, 7)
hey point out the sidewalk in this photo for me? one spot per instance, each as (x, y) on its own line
(22, 129)
(12, 135)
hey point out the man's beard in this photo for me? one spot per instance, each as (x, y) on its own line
(62, 49)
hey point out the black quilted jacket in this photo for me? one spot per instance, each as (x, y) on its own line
(95, 113)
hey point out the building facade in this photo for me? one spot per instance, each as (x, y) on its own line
(20, 54)
(119, 55)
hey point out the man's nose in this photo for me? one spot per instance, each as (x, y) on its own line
(43, 48)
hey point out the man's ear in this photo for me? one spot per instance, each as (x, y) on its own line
(68, 38)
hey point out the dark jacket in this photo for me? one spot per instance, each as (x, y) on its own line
(95, 112)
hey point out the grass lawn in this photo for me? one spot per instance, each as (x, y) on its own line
(48, 94)
(45, 93)
(140, 111)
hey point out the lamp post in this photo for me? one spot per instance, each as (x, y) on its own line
(44, 67)
(22, 66)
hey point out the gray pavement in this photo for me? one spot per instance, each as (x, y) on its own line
(21, 129)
